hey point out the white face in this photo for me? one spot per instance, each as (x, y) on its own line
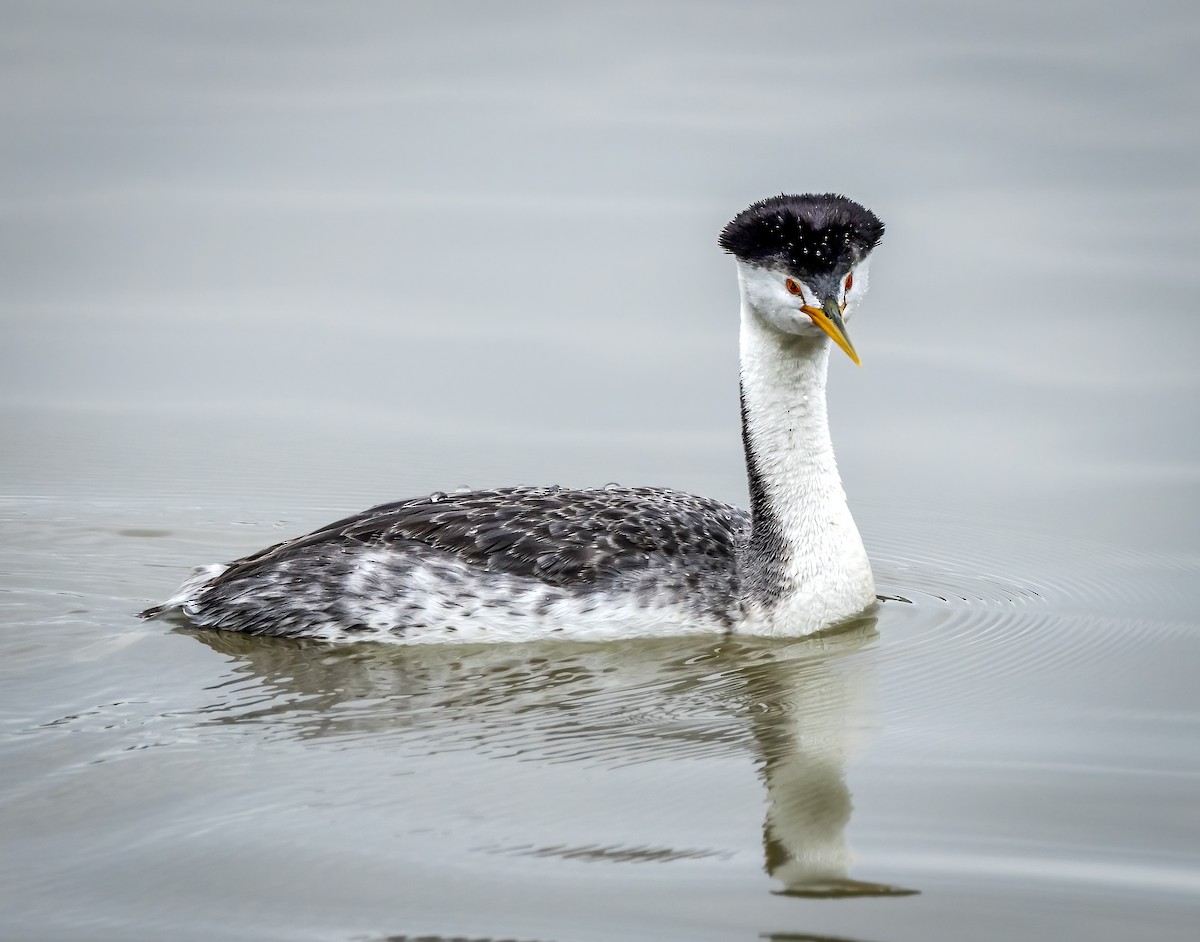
(779, 300)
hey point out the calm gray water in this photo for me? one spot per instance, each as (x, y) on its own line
(262, 265)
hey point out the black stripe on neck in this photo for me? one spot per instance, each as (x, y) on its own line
(761, 560)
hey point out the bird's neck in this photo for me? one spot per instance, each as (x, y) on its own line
(804, 566)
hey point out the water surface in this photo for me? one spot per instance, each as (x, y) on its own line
(263, 268)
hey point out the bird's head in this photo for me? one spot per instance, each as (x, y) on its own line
(802, 262)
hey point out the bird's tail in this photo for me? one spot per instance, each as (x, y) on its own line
(192, 586)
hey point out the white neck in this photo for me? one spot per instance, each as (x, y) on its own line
(805, 567)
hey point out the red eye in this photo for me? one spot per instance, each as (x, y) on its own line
(792, 287)
(850, 281)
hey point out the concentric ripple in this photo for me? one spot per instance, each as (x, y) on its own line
(987, 617)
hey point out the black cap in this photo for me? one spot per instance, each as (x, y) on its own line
(807, 236)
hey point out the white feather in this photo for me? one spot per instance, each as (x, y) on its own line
(784, 365)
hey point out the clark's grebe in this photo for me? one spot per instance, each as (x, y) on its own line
(521, 563)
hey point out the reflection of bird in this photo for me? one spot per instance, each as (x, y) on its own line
(812, 712)
(797, 708)
(530, 562)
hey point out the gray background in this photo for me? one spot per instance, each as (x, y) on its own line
(496, 223)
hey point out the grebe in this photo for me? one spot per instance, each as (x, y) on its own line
(521, 563)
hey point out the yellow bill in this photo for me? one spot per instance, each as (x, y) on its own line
(829, 318)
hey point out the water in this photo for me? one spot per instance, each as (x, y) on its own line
(264, 267)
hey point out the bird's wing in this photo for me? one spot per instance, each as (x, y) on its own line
(556, 535)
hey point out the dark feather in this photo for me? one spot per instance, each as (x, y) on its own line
(807, 236)
(556, 535)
